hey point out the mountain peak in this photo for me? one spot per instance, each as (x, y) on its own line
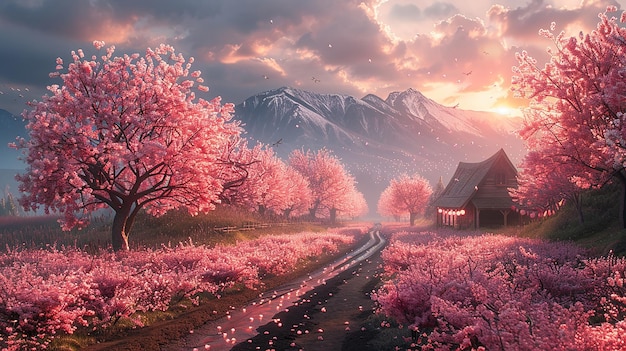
(287, 89)
(409, 96)
(411, 91)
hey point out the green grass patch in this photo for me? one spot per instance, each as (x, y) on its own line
(600, 231)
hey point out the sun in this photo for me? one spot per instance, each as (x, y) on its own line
(506, 111)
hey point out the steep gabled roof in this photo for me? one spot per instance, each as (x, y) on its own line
(465, 180)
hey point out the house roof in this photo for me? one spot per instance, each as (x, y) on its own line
(464, 183)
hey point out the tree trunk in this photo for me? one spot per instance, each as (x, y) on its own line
(412, 217)
(287, 212)
(578, 203)
(119, 230)
(333, 215)
(313, 209)
(313, 212)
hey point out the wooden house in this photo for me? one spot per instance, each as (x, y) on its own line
(477, 195)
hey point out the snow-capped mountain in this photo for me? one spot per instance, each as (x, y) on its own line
(379, 139)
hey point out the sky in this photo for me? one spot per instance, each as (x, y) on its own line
(458, 53)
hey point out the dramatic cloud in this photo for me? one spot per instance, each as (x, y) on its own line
(454, 52)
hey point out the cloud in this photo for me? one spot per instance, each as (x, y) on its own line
(444, 48)
(441, 9)
(522, 23)
(77, 20)
(405, 12)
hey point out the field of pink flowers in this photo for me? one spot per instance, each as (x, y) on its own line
(493, 292)
(47, 292)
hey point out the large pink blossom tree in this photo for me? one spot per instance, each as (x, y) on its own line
(236, 160)
(577, 103)
(126, 133)
(333, 188)
(405, 195)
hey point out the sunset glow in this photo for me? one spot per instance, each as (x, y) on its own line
(507, 111)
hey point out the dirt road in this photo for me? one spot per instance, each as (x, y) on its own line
(329, 317)
(325, 311)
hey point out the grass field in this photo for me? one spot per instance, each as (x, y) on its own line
(223, 225)
(600, 231)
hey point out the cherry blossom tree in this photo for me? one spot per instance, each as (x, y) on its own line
(545, 183)
(299, 196)
(386, 207)
(127, 133)
(577, 103)
(333, 188)
(268, 184)
(405, 194)
(238, 161)
(355, 206)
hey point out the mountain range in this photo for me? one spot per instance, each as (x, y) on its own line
(376, 139)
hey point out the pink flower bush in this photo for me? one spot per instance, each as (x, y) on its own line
(45, 292)
(504, 293)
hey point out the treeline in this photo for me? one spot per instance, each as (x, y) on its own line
(9, 206)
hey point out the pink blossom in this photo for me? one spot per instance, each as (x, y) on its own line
(503, 293)
(98, 44)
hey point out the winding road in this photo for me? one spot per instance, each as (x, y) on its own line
(312, 313)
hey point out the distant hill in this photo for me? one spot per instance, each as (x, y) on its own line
(379, 139)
